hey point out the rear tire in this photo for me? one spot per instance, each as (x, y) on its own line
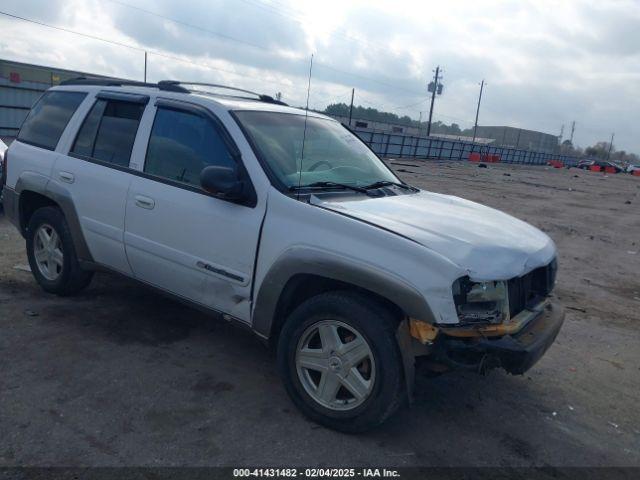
(362, 364)
(52, 255)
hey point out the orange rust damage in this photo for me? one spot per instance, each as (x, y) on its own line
(422, 331)
(426, 333)
(507, 328)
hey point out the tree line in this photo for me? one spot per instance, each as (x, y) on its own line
(375, 115)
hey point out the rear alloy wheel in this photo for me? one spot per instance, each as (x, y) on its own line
(340, 362)
(52, 255)
(47, 250)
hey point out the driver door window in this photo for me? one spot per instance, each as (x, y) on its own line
(182, 144)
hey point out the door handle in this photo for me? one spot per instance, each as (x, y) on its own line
(145, 202)
(66, 177)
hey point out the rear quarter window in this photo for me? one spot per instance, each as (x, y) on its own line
(49, 117)
(109, 131)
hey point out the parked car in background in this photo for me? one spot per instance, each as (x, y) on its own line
(284, 221)
(606, 164)
(632, 168)
(586, 164)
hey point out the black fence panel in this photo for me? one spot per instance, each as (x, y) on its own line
(407, 146)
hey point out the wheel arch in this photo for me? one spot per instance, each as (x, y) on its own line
(302, 272)
(35, 191)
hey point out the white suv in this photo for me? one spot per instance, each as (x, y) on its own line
(284, 221)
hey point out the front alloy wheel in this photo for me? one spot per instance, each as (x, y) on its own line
(335, 365)
(340, 361)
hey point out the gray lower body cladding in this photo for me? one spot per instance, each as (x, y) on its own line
(10, 205)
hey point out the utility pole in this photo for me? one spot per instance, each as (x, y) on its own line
(353, 91)
(610, 146)
(145, 66)
(561, 133)
(475, 127)
(433, 86)
(573, 129)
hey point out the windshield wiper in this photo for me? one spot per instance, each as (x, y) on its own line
(364, 190)
(387, 183)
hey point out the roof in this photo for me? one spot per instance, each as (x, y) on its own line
(178, 90)
(236, 104)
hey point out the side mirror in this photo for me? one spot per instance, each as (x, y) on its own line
(222, 182)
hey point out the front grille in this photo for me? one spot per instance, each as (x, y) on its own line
(526, 290)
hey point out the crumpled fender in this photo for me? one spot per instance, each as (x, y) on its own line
(310, 260)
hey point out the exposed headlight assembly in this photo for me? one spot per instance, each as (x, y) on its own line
(481, 302)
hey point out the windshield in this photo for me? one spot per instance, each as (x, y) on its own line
(331, 153)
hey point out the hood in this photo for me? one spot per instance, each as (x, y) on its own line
(489, 244)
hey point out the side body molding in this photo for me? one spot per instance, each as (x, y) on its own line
(33, 182)
(307, 260)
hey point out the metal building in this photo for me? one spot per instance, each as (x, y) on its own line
(520, 138)
(21, 84)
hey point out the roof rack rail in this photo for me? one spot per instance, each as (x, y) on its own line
(261, 97)
(116, 82)
(165, 85)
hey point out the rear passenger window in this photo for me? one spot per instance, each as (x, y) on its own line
(182, 144)
(48, 118)
(108, 132)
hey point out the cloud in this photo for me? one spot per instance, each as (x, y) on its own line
(546, 63)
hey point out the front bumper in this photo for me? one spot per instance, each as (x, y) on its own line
(515, 351)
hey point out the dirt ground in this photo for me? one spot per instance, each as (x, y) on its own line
(120, 375)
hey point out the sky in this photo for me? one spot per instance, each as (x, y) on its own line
(546, 63)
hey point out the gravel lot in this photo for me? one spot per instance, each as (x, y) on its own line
(122, 376)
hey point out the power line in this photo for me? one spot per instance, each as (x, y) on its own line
(411, 105)
(167, 56)
(190, 25)
(152, 52)
(436, 80)
(271, 8)
(253, 45)
(62, 29)
(573, 129)
(610, 146)
(141, 49)
(475, 125)
(327, 99)
(356, 75)
(208, 67)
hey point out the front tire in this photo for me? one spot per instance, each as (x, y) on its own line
(52, 255)
(340, 362)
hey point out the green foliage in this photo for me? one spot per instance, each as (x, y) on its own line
(601, 150)
(374, 115)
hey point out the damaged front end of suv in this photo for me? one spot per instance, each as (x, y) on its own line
(505, 324)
